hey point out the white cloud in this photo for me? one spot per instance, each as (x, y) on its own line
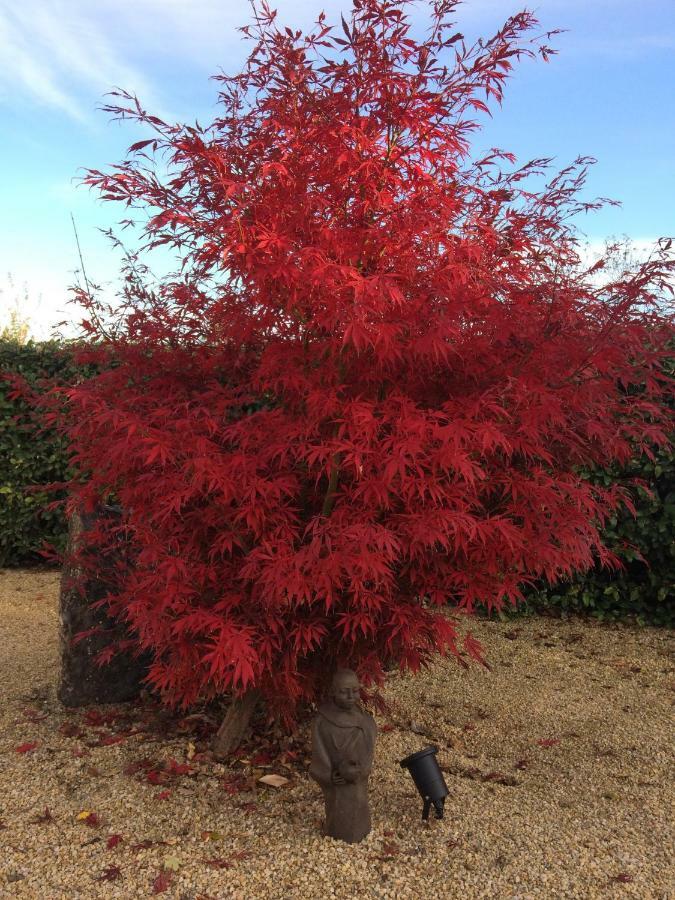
(63, 56)
(20, 68)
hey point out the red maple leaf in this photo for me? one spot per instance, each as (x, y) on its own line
(112, 873)
(162, 881)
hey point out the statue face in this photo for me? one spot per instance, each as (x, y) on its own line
(346, 690)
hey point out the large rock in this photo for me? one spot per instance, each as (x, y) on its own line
(82, 681)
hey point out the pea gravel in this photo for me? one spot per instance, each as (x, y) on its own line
(559, 764)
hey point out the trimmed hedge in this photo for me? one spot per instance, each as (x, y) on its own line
(645, 544)
(30, 456)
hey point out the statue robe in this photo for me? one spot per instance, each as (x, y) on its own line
(339, 738)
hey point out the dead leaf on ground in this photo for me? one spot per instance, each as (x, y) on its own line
(112, 873)
(247, 807)
(212, 836)
(70, 729)
(44, 818)
(27, 747)
(33, 715)
(162, 881)
(89, 818)
(142, 845)
(501, 778)
(218, 863)
(275, 781)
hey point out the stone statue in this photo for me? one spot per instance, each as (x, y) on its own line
(343, 743)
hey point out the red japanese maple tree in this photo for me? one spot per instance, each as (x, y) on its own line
(367, 392)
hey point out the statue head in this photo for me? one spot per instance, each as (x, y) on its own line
(345, 689)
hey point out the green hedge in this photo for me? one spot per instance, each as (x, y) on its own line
(29, 456)
(645, 588)
(645, 543)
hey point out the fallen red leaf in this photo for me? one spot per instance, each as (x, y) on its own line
(44, 818)
(112, 873)
(247, 807)
(262, 759)
(163, 795)
(92, 717)
(204, 756)
(142, 845)
(114, 840)
(27, 747)
(96, 719)
(32, 715)
(162, 882)
(156, 777)
(548, 742)
(107, 740)
(176, 768)
(236, 784)
(92, 820)
(623, 878)
(218, 863)
(387, 727)
(70, 729)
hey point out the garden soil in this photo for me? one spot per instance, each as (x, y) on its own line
(558, 760)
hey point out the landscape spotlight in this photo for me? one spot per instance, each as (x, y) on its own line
(428, 778)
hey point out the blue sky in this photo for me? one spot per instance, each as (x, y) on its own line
(608, 94)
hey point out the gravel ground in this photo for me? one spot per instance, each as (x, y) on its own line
(558, 760)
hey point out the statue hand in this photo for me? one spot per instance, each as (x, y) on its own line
(350, 772)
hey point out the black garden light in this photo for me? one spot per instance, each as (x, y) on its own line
(428, 778)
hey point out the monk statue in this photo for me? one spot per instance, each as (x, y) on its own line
(343, 743)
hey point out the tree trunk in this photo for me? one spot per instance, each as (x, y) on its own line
(235, 724)
(82, 681)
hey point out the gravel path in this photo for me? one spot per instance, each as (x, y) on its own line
(559, 764)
